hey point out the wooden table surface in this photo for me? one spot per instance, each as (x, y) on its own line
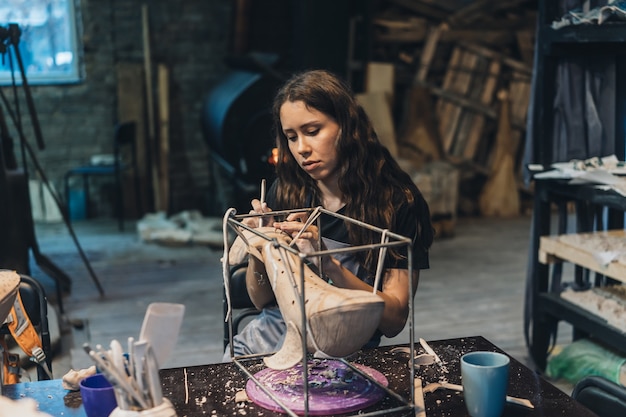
(209, 390)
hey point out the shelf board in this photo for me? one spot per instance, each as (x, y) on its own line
(605, 39)
(582, 319)
(552, 249)
(605, 33)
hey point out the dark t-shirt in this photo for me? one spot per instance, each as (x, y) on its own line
(335, 235)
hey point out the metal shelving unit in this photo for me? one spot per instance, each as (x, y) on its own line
(594, 209)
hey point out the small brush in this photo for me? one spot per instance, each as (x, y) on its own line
(262, 200)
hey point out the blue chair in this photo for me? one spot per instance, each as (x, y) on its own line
(125, 136)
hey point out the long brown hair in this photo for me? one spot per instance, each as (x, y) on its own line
(371, 181)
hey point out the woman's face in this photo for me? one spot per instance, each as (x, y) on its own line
(312, 137)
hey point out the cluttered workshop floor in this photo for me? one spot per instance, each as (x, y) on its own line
(475, 286)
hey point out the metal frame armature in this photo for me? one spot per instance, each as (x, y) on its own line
(233, 222)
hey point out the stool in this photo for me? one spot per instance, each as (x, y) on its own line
(124, 137)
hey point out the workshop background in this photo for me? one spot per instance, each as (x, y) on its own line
(190, 159)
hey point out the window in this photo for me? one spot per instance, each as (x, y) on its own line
(44, 32)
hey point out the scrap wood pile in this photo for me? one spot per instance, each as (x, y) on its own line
(457, 77)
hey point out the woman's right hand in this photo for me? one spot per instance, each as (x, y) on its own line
(258, 208)
(308, 239)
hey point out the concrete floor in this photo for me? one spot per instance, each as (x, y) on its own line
(475, 286)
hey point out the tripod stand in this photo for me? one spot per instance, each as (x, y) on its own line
(15, 210)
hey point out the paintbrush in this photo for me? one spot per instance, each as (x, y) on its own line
(115, 377)
(262, 200)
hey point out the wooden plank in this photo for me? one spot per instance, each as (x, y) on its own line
(164, 136)
(380, 77)
(452, 97)
(421, 8)
(520, 97)
(545, 258)
(500, 197)
(463, 102)
(418, 398)
(495, 37)
(526, 45)
(410, 29)
(486, 99)
(476, 9)
(376, 105)
(464, 14)
(147, 60)
(461, 86)
(131, 107)
(428, 53)
(477, 80)
(581, 253)
(448, 80)
(241, 27)
(506, 60)
(420, 133)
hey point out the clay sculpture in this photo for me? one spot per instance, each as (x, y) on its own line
(339, 321)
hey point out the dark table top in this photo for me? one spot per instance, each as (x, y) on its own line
(209, 390)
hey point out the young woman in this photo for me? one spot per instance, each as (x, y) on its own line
(329, 155)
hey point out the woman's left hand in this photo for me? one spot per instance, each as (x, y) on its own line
(308, 241)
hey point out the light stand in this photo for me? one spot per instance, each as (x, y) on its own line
(10, 37)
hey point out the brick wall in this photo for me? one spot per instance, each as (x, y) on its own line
(190, 37)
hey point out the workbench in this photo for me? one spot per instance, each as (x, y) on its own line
(209, 390)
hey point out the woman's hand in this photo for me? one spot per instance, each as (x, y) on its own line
(308, 240)
(258, 208)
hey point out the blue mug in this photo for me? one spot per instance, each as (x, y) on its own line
(98, 396)
(485, 378)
